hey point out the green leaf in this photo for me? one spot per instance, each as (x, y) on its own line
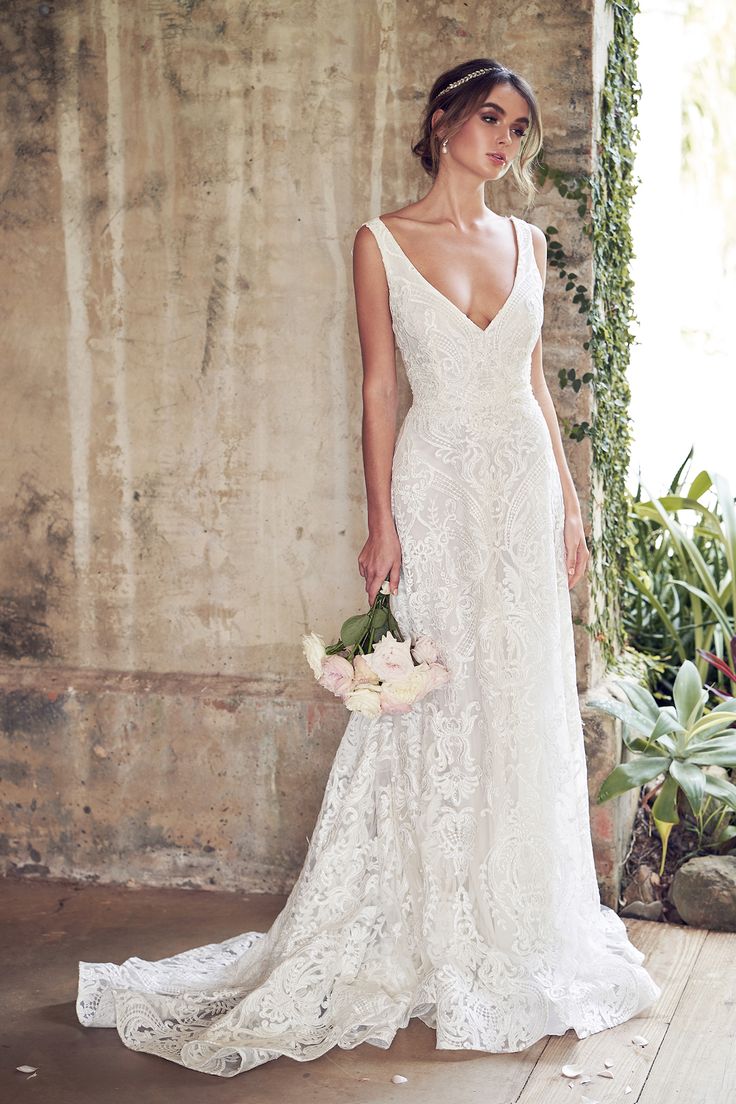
(687, 693)
(685, 502)
(639, 697)
(724, 706)
(713, 604)
(699, 485)
(646, 591)
(665, 741)
(720, 788)
(355, 628)
(721, 750)
(665, 815)
(709, 726)
(624, 713)
(635, 773)
(692, 781)
(725, 500)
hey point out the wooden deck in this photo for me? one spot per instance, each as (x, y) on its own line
(691, 1054)
(45, 928)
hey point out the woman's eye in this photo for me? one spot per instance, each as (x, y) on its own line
(518, 131)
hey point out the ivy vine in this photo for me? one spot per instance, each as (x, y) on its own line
(604, 204)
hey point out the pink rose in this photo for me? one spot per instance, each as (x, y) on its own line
(399, 695)
(438, 676)
(337, 675)
(424, 650)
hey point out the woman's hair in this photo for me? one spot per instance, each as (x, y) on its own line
(458, 105)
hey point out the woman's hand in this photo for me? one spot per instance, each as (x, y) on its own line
(379, 556)
(576, 550)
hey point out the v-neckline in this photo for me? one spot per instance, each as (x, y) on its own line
(455, 307)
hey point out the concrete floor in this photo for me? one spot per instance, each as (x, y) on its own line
(47, 927)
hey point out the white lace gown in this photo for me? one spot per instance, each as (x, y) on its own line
(450, 872)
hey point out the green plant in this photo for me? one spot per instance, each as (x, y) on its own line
(676, 741)
(603, 201)
(680, 598)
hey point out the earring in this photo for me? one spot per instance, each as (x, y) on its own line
(444, 146)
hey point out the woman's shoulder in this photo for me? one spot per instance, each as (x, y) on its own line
(371, 228)
(537, 234)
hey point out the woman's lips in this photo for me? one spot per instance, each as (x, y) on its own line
(498, 158)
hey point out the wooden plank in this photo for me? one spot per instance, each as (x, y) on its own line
(696, 1063)
(671, 951)
(363, 1075)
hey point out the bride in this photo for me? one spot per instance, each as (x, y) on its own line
(450, 873)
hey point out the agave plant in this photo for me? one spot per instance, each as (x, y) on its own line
(676, 741)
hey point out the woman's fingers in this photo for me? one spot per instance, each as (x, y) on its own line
(579, 563)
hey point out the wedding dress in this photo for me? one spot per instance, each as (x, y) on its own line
(450, 872)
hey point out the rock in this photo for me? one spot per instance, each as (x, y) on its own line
(643, 885)
(643, 910)
(703, 891)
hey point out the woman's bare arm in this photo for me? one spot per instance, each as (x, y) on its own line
(576, 551)
(380, 557)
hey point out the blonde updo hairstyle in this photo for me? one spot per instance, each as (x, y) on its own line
(460, 103)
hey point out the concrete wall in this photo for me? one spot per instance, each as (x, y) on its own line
(182, 489)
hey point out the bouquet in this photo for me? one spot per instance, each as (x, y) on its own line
(372, 668)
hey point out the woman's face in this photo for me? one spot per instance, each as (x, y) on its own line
(490, 139)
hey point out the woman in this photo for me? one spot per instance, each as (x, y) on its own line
(450, 874)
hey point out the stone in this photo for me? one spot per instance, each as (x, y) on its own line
(703, 891)
(643, 910)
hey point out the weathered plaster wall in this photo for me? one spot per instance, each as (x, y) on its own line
(183, 491)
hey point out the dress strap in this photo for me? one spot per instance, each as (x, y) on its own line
(526, 248)
(383, 240)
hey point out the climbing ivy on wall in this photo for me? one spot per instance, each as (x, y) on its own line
(604, 204)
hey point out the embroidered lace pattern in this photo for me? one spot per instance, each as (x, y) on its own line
(450, 872)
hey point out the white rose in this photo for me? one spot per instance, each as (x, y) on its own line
(314, 649)
(363, 671)
(366, 698)
(391, 658)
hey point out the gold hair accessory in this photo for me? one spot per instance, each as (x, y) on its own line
(469, 76)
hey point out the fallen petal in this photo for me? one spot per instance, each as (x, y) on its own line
(628, 1089)
(606, 1073)
(639, 1040)
(571, 1071)
(586, 1080)
(398, 1079)
(608, 1062)
(26, 1069)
